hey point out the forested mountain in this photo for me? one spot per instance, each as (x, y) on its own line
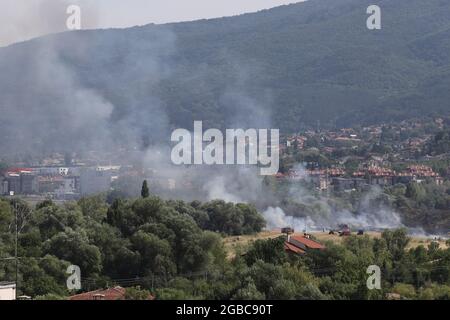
(285, 67)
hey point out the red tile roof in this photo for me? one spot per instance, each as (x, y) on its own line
(19, 170)
(292, 248)
(116, 293)
(309, 243)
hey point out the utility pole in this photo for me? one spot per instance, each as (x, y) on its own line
(16, 246)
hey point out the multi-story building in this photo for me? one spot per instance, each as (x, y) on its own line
(94, 181)
(28, 183)
(4, 188)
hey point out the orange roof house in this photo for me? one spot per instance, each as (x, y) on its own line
(301, 244)
(291, 248)
(116, 293)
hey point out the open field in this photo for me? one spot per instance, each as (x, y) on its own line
(232, 244)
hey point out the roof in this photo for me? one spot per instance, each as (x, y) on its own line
(309, 243)
(292, 248)
(116, 293)
(19, 170)
(7, 284)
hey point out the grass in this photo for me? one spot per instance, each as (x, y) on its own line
(235, 244)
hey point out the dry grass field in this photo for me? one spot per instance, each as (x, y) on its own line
(235, 243)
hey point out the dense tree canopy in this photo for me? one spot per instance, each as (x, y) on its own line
(175, 250)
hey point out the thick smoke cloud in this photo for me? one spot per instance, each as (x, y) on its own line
(371, 214)
(244, 185)
(65, 104)
(68, 108)
(22, 20)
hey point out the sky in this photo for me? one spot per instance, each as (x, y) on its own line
(25, 19)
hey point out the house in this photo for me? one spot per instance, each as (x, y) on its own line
(13, 183)
(115, 293)
(20, 181)
(69, 186)
(95, 180)
(63, 171)
(7, 291)
(301, 244)
(344, 184)
(50, 183)
(319, 178)
(4, 189)
(28, 183)
(293, 249)
(418, 173)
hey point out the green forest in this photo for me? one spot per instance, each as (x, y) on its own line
(175, 250)
(289, 67)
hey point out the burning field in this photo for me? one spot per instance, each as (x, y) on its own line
(236, 244)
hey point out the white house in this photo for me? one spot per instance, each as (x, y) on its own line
(7, 291)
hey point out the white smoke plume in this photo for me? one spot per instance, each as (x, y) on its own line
(66, 107)
(371, 213)
(276, 218)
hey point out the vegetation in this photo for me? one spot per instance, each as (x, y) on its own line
(423, 205)
(302, 63)
(440, 144)
(139, 238)
(145, 192)
(166, 248)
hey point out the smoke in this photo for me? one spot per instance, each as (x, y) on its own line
(104, 91)
(65, 100)
(322, 213)
(216, 189)
(237, 184)
(53, 111)
(23, 20)
(276, 218)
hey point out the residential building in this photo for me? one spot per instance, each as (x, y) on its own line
(7, 291)
(116, 293)
(4, 188)
(344, 184)
(301, 244)
(95, 181)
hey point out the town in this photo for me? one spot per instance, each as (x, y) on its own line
(336, 160)
(357, 158)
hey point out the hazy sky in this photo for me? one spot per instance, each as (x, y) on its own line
(24, 19)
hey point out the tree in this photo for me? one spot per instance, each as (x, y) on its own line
(404, 290)
(232, 219)
(270, 251)
(415, 191)
(155, 253)
(172, 294)
(74, 247)
(6, 217)
(145, 192)
(396, 241)
(136, 293)
(249, 292)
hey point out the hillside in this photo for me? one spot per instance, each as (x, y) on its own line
(286, 67)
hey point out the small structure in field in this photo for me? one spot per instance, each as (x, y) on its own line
(345, 230)
(301, 244)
